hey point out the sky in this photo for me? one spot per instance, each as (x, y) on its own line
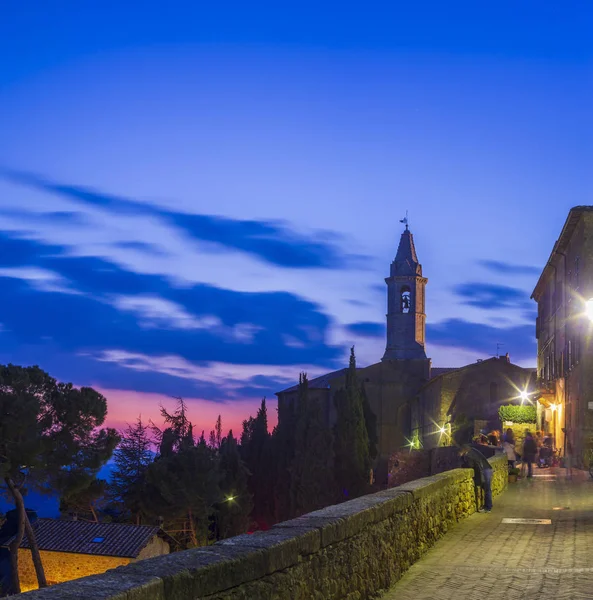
(203, 199)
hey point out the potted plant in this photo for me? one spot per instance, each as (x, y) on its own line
(513, 474)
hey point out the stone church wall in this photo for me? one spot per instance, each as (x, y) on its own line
(351, 550)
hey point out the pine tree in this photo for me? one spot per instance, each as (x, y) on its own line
(352, 460)
(312, 478)
(236, 504)
(132, 459)
(49, 440)
(84, 504)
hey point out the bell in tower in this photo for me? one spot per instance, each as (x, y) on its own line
(406, 319)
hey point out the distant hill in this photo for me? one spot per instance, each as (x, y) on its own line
(48, 506)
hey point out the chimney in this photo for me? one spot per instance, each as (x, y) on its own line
(507, 357)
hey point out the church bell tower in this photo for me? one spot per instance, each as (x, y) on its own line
(406, 319)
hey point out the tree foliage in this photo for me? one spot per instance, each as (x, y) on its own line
(182, 489)
(351, 441)
(370, 420)
(50, 441)
(84, 504)
(128, 480)
(518, 413)
(256, 452)
(283, 449)
(236, 504)
(312, 477)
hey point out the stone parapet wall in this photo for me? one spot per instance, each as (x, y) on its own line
(348, 551)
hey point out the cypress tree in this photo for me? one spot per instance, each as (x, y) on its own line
(283, 448)
(352, 459)
(312, 478)
(370, 420)
(256, 452)
(236, 504)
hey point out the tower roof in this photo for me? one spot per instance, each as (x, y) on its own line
(406, 260)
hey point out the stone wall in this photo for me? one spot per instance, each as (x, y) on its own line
(348, 551)
(64, 566)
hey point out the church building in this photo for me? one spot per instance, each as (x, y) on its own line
(416, 404)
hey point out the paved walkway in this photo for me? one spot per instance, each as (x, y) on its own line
(483, 558)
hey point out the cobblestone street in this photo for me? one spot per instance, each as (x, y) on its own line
(482, 557)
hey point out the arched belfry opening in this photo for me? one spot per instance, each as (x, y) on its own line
(406, 299)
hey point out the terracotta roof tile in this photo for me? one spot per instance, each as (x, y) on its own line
(111, 539)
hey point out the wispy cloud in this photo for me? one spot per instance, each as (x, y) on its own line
(39, 279)
(491, 296)
(273, 242)
(366, 329)
(506, 268)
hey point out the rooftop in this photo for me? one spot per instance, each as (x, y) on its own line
(561, 243)
(81, 537)
(321, 382)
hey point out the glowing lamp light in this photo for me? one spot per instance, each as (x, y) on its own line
(230, 498)
(524, 396)
(442, 430)
(553, 407)
(589, 309)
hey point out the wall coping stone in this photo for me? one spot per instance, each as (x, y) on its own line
(209, 570)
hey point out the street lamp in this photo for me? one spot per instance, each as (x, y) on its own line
(524, 396)
(589, 309)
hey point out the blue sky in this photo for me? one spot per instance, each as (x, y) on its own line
(203, 200)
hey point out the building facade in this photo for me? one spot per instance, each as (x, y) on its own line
(564, 296)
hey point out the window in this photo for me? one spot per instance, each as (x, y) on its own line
(406, 299)
(98, 540)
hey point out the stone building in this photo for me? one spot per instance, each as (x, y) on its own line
(73, 549)
(564, 296)
(470, 396)
(410, 399)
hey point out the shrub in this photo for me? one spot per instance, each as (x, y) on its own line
(517, 413)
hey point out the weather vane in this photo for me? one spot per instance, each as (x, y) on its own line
(405, 220)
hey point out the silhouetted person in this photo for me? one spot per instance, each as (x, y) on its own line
(475, 460)
(529, 452)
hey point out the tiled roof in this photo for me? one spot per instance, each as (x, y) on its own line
(321, 382)
(117, 539)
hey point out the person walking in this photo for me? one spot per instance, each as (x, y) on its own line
(529, 452)
(475, 460)
(568, 458)
(509, 447)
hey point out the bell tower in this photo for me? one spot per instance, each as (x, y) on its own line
(406, 319)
